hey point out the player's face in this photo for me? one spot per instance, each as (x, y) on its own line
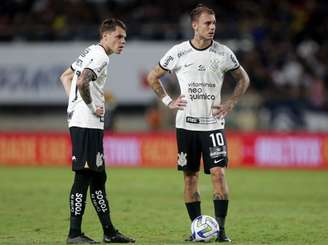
(115, 40)
(205, 26)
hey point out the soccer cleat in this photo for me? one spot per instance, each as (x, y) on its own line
(222, 237)
(118, 237)
(81, 239)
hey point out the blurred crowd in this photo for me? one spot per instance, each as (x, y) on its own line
(282, 44)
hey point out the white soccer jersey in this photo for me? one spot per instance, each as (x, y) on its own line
(200, 73)
(79, 115)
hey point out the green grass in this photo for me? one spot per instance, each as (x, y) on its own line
(266, 207)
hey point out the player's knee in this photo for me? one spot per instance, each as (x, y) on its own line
(218, 175)
(191, 182)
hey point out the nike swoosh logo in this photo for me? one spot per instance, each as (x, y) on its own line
(217, 161)
(186, 65)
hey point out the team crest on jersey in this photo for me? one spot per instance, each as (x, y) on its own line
(214, 65)
(182, 159)
(201, 68)
(99, 159)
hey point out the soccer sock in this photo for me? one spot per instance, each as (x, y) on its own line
(78, 201)
(221, 210)
(193, 209)
(100, 202)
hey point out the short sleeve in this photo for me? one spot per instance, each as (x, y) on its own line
(231, 62)
(169, 60)
(97, 63)
(74, 66)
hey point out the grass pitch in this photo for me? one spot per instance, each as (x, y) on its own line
(266, 207)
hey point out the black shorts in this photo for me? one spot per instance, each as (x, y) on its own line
(87, 149)
(192, 145)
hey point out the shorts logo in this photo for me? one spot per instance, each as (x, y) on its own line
(217, 161)
(218, 151)
(99, 159)
(182, 160)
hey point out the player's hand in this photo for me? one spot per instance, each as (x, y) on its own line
(99, 111)
(178, 103)
(221, 111)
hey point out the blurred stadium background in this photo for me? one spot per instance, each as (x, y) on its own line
(281, 123)
(282, 120)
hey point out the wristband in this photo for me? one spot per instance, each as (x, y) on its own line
(166, 100)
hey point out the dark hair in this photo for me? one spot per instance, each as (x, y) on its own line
(198, 10)
(110, 25)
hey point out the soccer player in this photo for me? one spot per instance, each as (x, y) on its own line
(84, 83)
(200, 65)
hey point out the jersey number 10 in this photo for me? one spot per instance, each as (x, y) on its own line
(217, 139)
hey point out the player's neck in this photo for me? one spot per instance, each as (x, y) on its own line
(107, 49)
(200, 43)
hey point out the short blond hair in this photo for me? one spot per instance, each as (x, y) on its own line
(198, 10)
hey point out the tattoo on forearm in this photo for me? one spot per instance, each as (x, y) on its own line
(85, 78)
(218, 196)
(196, 196)
(242, 82)
(158, 89)
(156, 83)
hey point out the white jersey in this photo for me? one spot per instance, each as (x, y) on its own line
(200, 73)
(79, 115)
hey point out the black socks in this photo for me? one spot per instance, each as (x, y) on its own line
(221, 210)
(193, 209)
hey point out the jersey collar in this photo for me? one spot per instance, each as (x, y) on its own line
(200, 49)
(102, 47)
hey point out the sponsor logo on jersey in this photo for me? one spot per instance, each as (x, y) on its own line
(201, 120)
(182, 159)
(99, 69)
(197, 91)
(168, 60)
(184, 52)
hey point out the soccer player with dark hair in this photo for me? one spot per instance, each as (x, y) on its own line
(84, 84)
(200, 65)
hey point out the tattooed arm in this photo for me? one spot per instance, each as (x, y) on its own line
(154, 82)
(241, 76)
(85, 78)
(83, 84)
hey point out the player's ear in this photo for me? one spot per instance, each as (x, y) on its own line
(194, 25)
(105, 35)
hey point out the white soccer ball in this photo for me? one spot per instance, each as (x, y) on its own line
(204, 228)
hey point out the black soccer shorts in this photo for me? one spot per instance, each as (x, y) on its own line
(87, 149)
(192, 145)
